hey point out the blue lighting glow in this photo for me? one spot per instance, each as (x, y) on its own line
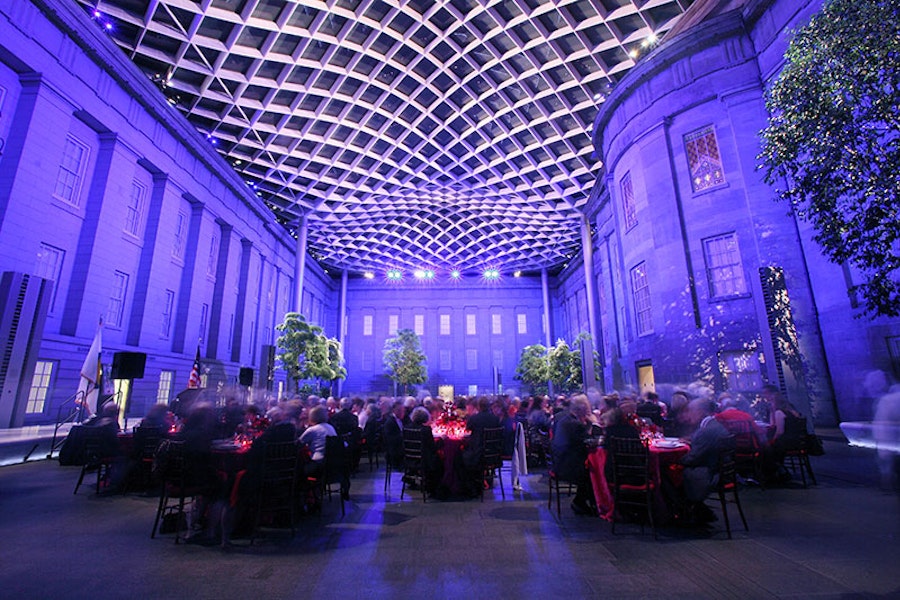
(369, 275)
(491, 274)
(423, 274)
(455, 274)
(394, 274)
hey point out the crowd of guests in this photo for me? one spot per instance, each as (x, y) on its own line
(561, 427)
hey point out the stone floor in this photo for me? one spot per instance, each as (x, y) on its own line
(838, 539)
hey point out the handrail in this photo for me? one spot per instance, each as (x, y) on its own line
(75, 411)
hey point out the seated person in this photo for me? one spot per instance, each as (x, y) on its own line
(702, 461)
(431, 460)
(788, 430)
(570, 452)
(476, 424)
(105, 425)
(392, 434)
(648, 408)
(200, 428)
(247, 482)
(314, 438)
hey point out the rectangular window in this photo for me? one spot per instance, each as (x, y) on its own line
(703, 158)
(40, 387)
(640, 289)
(498, 360)
(629, 213)
(367, 324)
(49, 266)
(445, 324)
(134, 209)
(741, 371)
(521, 324)
(496, 329)
(230, 332)
(470, 325)
(471, 359)
(446, 359)
(419, 324)
(168, 308)
(368, 360)
(71, 172)
(723, 266)
(393, 324)
(164, 391)
(212, 259)
(181, 229)
(115, 309)
(204, 321)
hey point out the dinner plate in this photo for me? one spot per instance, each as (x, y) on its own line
(669, 444)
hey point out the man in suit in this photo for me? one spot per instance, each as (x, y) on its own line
(702, 462)
(393, 435)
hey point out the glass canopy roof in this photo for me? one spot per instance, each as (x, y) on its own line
(442, 134)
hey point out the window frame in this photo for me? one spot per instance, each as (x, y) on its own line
(74, 174)
(700, 143)
(641, 299)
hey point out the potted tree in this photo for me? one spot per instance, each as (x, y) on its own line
(307, 353)
(404, 360)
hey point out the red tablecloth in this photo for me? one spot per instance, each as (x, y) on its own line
(663, 461)
(453, 480)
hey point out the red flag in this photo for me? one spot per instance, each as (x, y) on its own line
(194, 381)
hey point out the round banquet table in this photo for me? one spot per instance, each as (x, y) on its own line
(663, 463)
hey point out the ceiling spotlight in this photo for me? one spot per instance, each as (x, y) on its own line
(491, 274)
(369, 275)
(394, 274)
(517, 274)
(455, 274)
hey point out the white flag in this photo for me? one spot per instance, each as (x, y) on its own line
(90, 372)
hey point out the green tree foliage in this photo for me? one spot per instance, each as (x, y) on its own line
(534, 369)
(832, 145)
(560, 364)
(404, 360)
(306, 352)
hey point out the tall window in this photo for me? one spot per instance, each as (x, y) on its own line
(723, 266)
(640, 290)
(445, 324)
(521, 324)
(367, 324)
(49, 266)
(498, 360)
(393, 324)
(496, 328)
(134, 209)
(368, 360)
(212, 259)
(704, 161)
(40, 386)
(181, 229)
(471, 359)
(115, 309)
(71, 171)
(628, 210)
(419, 324)
(164, 391)
(470, 324)
(446, 359)
(168, 308)
(204, 321)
